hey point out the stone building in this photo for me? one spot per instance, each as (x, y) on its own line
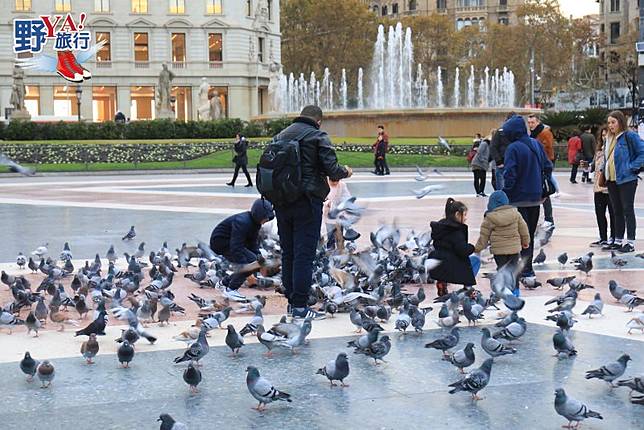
(232, 43)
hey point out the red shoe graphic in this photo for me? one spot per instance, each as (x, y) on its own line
(66, 70)
(77, 67)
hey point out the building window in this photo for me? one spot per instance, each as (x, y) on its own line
(139, 6)
(503, 19)
(65, 101)
(103, 103)
(384, 11)
(141, 50)
(394, 9)
(63, 5)
(214, 7)
(178, 47)
(182, 102)
(105, 52)
(101, 5)
(614, 32)
(412, 4)
(614, 5)
(260, 49)
(503, 3)
(376, 9)
(141, 103)
(220, 94)
(215, 47)
(177, 6)
(249, 7)
(23, 5)
(269, 5)
(441, 4)
(32, 99)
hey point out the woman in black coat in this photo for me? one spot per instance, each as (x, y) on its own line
(451, 247)
(241, 160)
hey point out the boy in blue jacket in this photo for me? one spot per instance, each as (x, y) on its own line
(237, 239)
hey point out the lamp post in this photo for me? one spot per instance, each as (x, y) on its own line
(79, 93)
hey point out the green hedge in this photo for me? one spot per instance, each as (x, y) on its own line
(156, 129)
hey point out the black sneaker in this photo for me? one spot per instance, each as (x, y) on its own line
(611, 247)
(230, 184)
(598, 243)
(307, 313)
(626, 248)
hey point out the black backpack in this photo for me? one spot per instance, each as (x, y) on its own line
(279, 172)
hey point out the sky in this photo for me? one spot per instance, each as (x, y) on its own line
(578, 8)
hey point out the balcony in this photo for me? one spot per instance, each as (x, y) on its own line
(502, 8)
(215, 64)
(469, 9)
(141, 64)
(179, 65)
(103, 64)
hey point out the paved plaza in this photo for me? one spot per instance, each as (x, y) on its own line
(409, 391)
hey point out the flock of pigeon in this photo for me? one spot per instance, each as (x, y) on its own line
(367, 284)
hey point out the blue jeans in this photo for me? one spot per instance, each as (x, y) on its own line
(500, 182)
(298, 226)
(475, 261)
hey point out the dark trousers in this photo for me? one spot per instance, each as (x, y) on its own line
(530, 215)
(573, 172)
(502, 260)
(547, 210)
(245, 170)
(602, 202)
(622, 198)
(493, 179)
(298, 226)
(222, 247)
(380, 165)
(479, 180)
(385, 166)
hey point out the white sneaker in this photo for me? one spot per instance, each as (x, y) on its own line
(234, 295)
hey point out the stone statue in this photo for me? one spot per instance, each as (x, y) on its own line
(18, 93)
(216, 109)
(274, 87)
(261, 13)
(163, 102)
(204, 102)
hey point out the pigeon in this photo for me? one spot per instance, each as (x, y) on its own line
(336, 370)
(595, 308)
(125, 353)
(617, 290)
(66, 253)
(636, 323)
(215, 320)
(585, 263)
(631, 301)
(197, 350)
(234, 340)
(559, 283)
(270, 340)
(111, 254)
(563, 345)
(130, 234)
(475, 381)
(462, 358)
(377, 350)
(572, 410)
(15, 167)
(562, 259)
(89, 348)
(365, 340)
(9, 320)
(32, 323)
(530, 283)
(617, 261)
(295, 334)
(512, 331)
(540, 258)
(21, 260)
(46, 373)
(169, 423)
(97, 326)
(262, 390)
(443, 142)
(32, 265)
(41, 251)
(472, 311)
(427, 190)
(635, 384)
(28, 366)
(446, 342)
(494, 347)
(255, 321)
(611, 371)
(192, 377)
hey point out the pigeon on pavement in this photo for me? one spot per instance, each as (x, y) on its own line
(540, 258)
(610, 371)
(475, 381)
(28, 366)
(336, 370)
(462, 358)
(46, 373)
(262, 390)
(446, 342)
(130, 234)
(169, 423)
(125, 353)
(494, 347)
(595, 308)
(192, 377)
(89, 348)
(234, 340)
(572, 410)
(617, 291)
(197, 350)
(563, 345)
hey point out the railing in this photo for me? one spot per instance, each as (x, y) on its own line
(103, 64)
(141, 64)
(179, 65)
(503, 8)
(216, 64)
(470, 8)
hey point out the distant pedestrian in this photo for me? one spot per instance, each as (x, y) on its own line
(588, 145)
(575, 155)
(601, 198)
(480, 164)
(241, 160)
(380, 150)
(543, 134)
(498, 145)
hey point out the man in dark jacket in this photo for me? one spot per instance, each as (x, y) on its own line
(498, 146)
(237, 239)
(525, 164)
(241, 160)
(299, 223)
(588, 146)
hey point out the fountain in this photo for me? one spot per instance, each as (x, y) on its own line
(396, 84)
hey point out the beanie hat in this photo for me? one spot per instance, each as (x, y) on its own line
(497, 199)
(261, 210)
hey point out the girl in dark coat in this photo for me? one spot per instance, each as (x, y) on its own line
(241, 160)
(451, 247)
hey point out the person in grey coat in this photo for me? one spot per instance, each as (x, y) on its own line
(480, 164)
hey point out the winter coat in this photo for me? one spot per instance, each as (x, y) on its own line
(505, 230)
(628, 155)
(481, 160)
(525, 164)
(598, 166)
(545, 137)
(589, 145)
(498, 146)
(453, 250)
(381, 149)
(317, 156)
(385, 141)
(241, 156)
(574, 147)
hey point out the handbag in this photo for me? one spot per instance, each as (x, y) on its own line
(579, 157)
(548, 187)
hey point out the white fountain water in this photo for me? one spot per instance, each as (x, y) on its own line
(394, 82)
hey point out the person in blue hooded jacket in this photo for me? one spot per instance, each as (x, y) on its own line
(525, 164)
(237, 239)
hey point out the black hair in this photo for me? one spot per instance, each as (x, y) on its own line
(381, 126)
(510, 115)
(313, 112)
(453, 207)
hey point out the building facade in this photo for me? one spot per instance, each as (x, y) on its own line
(231, 43)
(464, 12)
